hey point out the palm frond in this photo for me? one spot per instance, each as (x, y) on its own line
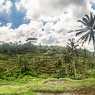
(84, 37)
(90, 38)
(82, 22)
(91, 20)
(91, 15)
(84, 40)
(87, 16)
(81, 31)
(85, 20)
(88, 33)
(94, 17)
(94, 23)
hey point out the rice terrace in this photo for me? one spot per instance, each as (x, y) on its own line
(47, 47)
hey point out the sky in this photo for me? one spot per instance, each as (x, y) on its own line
(47, 20)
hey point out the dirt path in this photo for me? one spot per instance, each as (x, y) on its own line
(54, 94)
(63, 94)
(87, 91)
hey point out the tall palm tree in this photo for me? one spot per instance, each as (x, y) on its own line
(87, 32)
(72, 47)
(73, 52)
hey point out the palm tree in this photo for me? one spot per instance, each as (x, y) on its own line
(72, 47)
(87, 32)
(73, 52)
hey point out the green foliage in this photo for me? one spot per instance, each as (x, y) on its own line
(30, 85)
(46, 61)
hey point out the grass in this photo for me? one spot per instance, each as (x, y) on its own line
(29, 85)
(18, 87)
(67, 85)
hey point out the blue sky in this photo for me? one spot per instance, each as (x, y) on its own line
(15, 17)
(20, 19)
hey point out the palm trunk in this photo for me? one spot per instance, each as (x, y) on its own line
(66, 70)
(94, 47)
(94, 44)
(74, 68)
(93, 37)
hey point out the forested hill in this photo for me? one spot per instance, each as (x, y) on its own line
(18, 48)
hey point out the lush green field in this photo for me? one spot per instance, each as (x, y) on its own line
(18, 87)
(28, 85)
(46, 71)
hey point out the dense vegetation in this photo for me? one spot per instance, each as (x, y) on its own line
(17, 60)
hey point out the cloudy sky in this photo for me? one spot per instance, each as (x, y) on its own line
(48, 20)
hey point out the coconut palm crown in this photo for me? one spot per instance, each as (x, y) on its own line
(87, 32)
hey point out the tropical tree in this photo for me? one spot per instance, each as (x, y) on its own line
(23, 63)
(87, 31)
(72, 53)
(72, 47)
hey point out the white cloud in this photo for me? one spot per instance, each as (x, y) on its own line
(6, 34)
(36, 8)
(88, 5)
(28, 30)
(5, 6)
(60, 17)
(57, 21)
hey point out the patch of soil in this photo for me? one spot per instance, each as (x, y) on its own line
(80, 91)
(54, 82)
(85, 91)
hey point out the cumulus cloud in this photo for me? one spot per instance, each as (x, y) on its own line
(91, 5)
(6, 34)
(50, 20)
(36, 8)
(5, 6)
